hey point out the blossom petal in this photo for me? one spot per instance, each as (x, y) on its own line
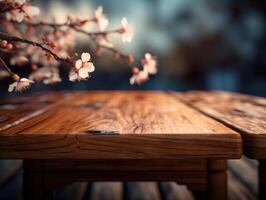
(78, 64)
(85, 57)
(148, 56)
(124, 22)
(89, 66)
(12, 87)
(26, 80)
(73, 76)
(84, 73)
(19, 16)
(99, 11)
(32, 10)
(20, 1)
(103, 23)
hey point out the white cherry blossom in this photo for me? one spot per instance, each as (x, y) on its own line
(20, 85)
(22, 11)
(19, 60)
(102, 40)
(53, 79)
(4, 74)
(126, 30)
(139, 78)
(40, 74)
(101, 19)
(82, 68)
(150, 64)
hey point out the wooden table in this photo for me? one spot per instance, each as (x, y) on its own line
(115, 136)
(243, 113)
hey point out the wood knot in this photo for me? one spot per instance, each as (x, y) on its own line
(4, 119)
(103, 132)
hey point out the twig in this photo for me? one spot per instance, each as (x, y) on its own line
(73, 26)
(40, 45)
(6, 67)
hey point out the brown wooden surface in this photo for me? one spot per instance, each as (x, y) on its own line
(147, 125)
(14, 111)
(245, 114)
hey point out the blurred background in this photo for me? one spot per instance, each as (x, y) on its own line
(200, 44)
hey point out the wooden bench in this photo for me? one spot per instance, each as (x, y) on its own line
(117, 136)
(243, 113)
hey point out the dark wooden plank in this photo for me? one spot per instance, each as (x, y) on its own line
(238, 191)
(75, 191)
(107, 191)
(13, 188)
(173, 191)
(128, 165)
(170, 131)
(245, 114)
(8, 169)
(143, 191)
(245, 173)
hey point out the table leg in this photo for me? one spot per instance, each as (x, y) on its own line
(34, 183)
(34, 187)
(217, 179)
(199, 195)
(262, 179)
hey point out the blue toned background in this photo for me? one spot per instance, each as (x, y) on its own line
(200, 44)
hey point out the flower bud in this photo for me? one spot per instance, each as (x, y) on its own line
(116, 55)
(98, 51)
(34, 67)
(130, 59)
(9, 46)
(135, 70)
(3, 44)
(49, 57)
(15, 77)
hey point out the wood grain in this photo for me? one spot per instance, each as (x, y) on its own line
(17, 110)
(245, 114)
(120, 125)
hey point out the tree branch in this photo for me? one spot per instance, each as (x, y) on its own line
(74, 26)
(6, 67)
(40, 45)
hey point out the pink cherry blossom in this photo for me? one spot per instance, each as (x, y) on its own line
(19, 60)
(23, 10)
(82, 68)
(40, 74)
(20, 85)
(126, 30)
(140, 77)
(150, 64)
(101, 19)
(4, 74)
(53, 79)
(102, 40)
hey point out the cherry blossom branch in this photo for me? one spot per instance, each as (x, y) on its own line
(6, 67)
(6, 8)
(73, 26)
(9, 38)
(56, 44)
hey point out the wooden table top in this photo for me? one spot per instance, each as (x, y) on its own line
(112, 125)
(243, 113)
